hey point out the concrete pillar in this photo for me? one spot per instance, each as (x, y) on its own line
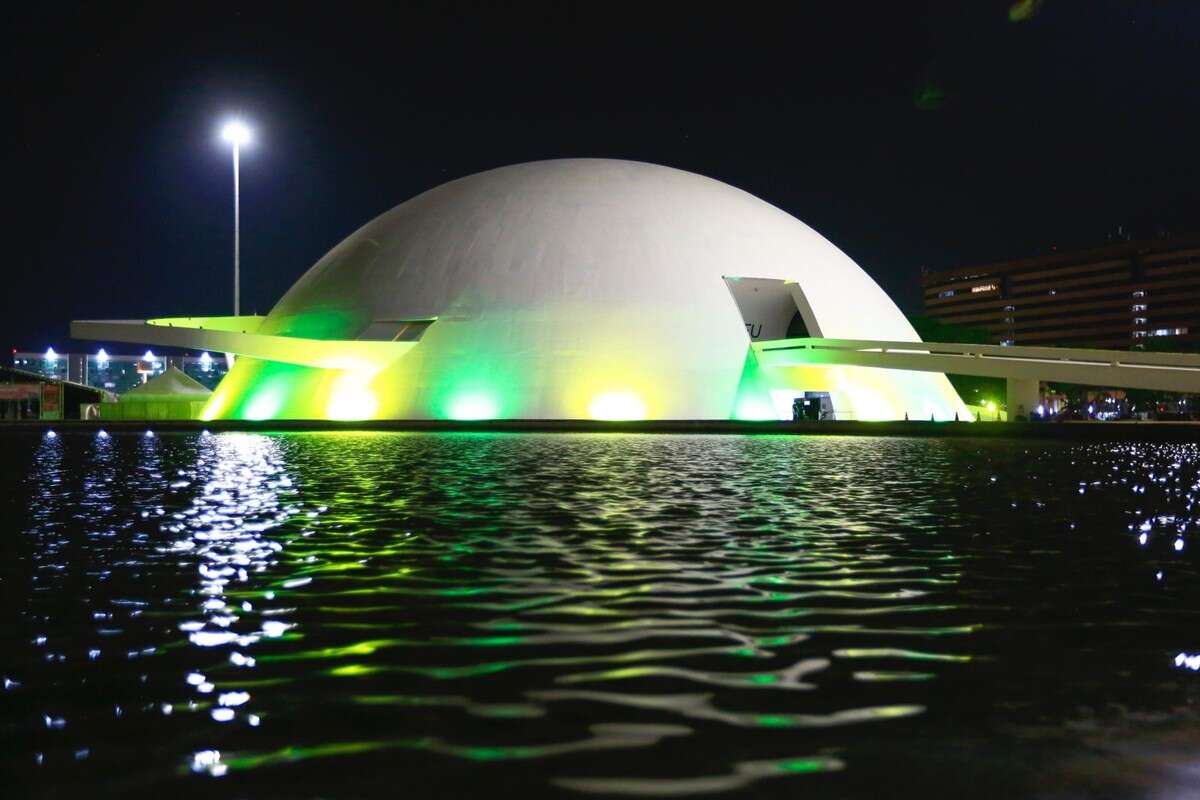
(1024, 394)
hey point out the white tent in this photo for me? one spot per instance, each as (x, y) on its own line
(171, 395)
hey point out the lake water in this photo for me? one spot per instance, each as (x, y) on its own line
(445, 615)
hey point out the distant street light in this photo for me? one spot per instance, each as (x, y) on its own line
(237, 134)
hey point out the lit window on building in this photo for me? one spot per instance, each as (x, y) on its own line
(1006, 342)
(1139, 320)
(1138, 307)
(1168, 331)
(946, 293)
(1139, 293)
(984, 287)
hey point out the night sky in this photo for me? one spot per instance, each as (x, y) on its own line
(911, 135)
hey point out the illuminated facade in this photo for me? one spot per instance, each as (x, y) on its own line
(569, 289)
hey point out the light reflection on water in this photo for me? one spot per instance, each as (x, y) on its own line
(241, 498)
(614, 615)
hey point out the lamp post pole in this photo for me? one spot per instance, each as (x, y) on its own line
(237, 277)
(237, 134)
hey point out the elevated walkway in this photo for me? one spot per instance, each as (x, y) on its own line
(1022, 367)
(240, 336)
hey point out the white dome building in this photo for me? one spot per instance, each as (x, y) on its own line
(576, 289)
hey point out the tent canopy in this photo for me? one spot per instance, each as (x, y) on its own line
(172, 384)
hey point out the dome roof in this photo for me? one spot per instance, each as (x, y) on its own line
(592, 231)
(555, 283)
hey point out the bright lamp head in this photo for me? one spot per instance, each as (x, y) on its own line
(236, 133)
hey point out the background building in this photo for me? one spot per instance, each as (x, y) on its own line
(1143, 294)
(32, 395)
(118, 373)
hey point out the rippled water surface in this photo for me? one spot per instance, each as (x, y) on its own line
(388, 615)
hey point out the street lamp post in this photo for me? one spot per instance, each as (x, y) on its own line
(237, 134)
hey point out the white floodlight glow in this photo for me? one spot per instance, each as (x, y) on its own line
(149, 356)
(51, 355)
(102, 357)
(236, 133)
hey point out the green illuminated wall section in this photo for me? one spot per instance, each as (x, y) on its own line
(753, 400)
(503, 365)
(490, 367)
(484, 386)
(857, 393)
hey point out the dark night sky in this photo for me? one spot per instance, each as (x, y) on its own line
(909, 134)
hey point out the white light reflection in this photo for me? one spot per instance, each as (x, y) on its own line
(1188, 661)
(239, 660)
(208, 761)
(243, 494)
(274, 628)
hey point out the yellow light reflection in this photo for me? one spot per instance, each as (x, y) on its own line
(617, 405)
(212, 409)
(351, 397)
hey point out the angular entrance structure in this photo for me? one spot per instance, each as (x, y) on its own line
(572, 289)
